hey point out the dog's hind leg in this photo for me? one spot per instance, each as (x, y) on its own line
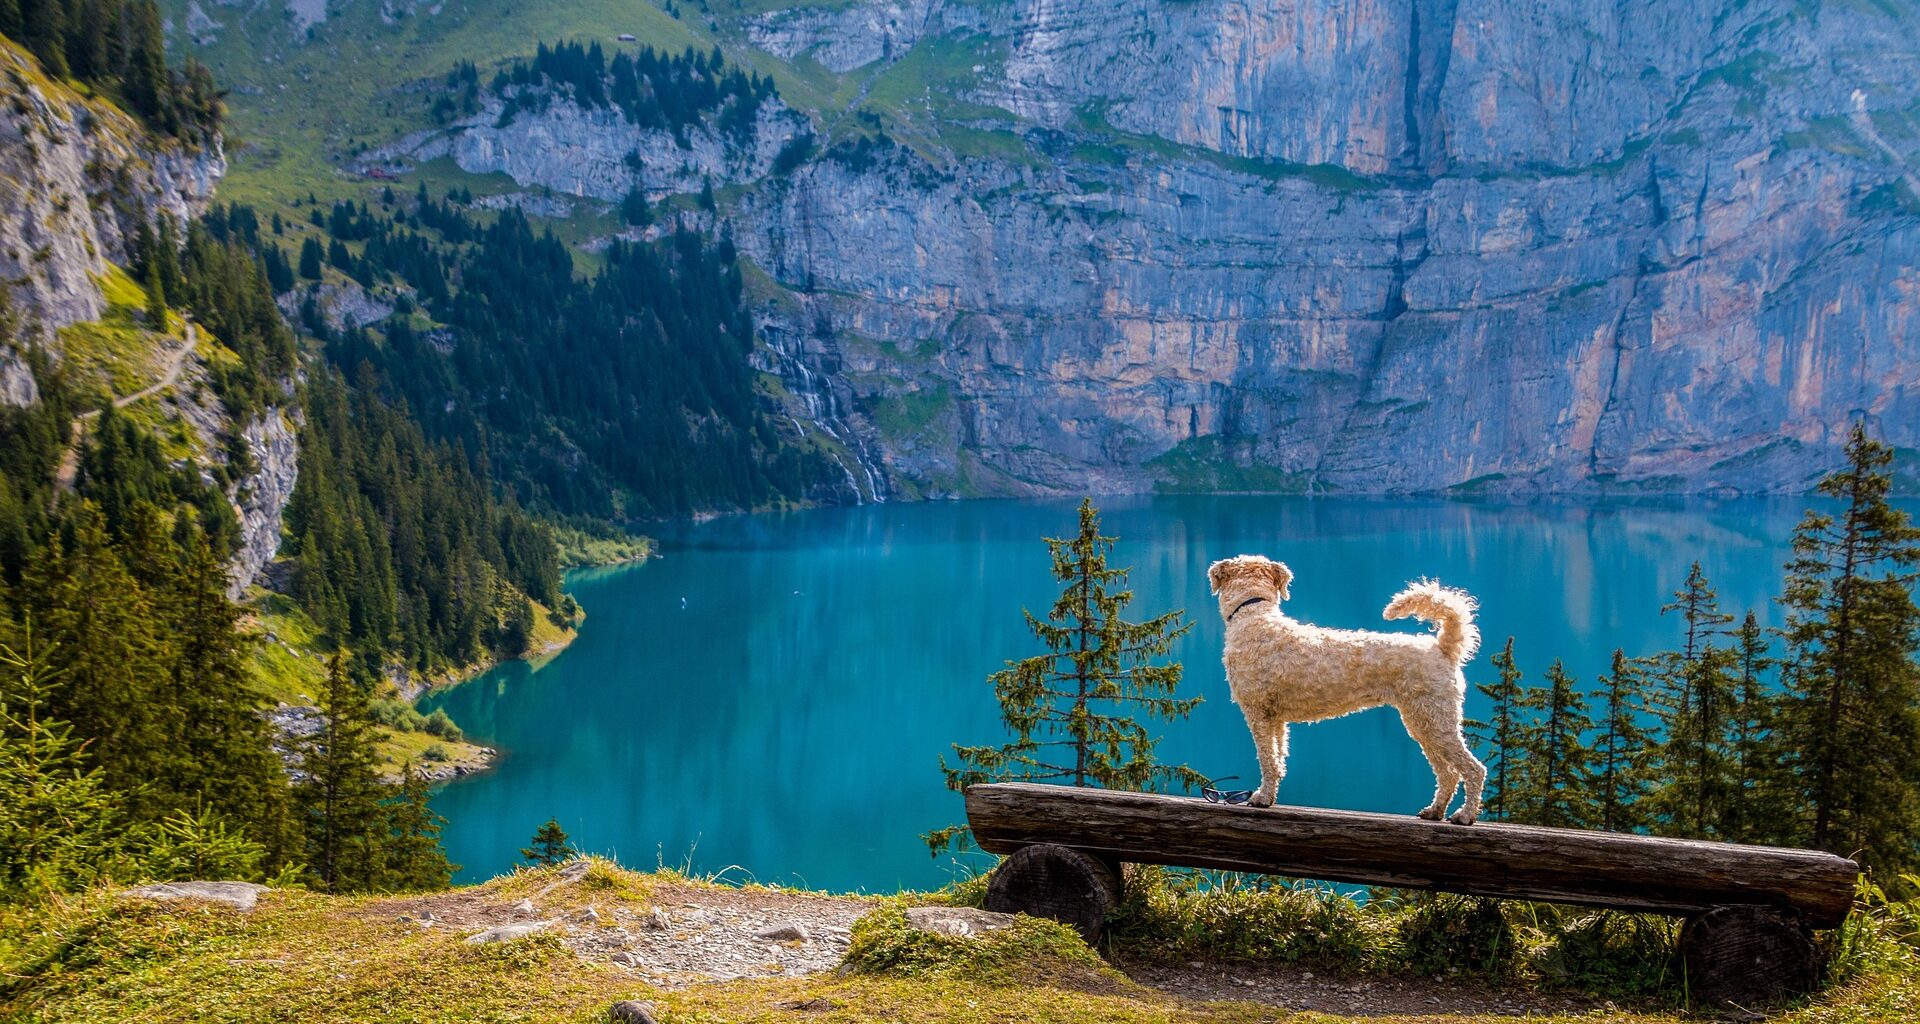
(1446, 775)
(1475, 777)
(1270, 745)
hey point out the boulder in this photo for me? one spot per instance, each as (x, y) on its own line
(508, 932)
(789, 931)
(631, 1011)
(238, 895)
(657, 920)
(963, 922)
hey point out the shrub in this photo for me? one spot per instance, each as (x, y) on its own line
(1180, 914)
(1445, 934)
(1032, 950)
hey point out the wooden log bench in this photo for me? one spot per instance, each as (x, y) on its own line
(1749, 910)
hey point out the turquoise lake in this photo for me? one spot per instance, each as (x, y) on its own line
(774, 693)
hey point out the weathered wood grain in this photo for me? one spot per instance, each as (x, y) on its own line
(1600, 869)
(1747, 957)
(1056, 882)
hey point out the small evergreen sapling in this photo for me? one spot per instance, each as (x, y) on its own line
(550, 845)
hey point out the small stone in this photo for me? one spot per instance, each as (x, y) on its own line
(573, 870)
(657, 920)
(508, 932)
(624, 958)
(240, 896)
(631, 1011)
(964, 922)
(791, 931)
(590, 916)
(525, 907)
(428, 917)
(818, 1004)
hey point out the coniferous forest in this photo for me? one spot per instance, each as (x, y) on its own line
(119, 46)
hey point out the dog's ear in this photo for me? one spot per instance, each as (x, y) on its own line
(1217, 575)
(1281, 577)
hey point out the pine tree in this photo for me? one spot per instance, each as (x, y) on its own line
(156, 298)
(310, 256)
(223, 755)
(1621, 749)
(1755, 807)
(59, 820)
(1558, 780)
(340, 797)
(550, 845)
(1063, 707)
(1499, 733)
(1693, 706)
(1850, 716)
(415, 858)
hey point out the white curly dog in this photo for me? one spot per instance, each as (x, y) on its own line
(1283, 671)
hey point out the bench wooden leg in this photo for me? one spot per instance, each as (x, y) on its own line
(1747, 957)
(1070, 886)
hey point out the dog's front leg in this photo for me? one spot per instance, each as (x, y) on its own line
(1270, 745)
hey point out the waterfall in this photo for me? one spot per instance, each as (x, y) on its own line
(851, 451)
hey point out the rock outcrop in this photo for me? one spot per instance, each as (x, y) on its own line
(75, 176)
(600, 154)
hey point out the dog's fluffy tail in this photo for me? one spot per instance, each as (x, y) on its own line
(1450, 611)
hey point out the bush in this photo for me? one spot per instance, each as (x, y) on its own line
(1447, 934)
(439, 724)
(1033, 950)
(434, 752)
(1181, 914)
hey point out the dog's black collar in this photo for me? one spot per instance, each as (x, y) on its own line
(1237, 608)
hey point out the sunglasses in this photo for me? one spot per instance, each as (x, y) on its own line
(1215, 795)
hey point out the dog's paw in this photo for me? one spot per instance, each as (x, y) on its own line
(1461, 817)
(1260, 800)
(1430, 814)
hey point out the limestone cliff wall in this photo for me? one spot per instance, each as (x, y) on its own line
(1397, 246)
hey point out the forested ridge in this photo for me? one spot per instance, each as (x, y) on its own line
(670, 92)
(624, 395)
(119, 46)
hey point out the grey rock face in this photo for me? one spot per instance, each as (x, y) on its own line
(66, 170)
(262, 497)
(1635, 247)
(599, 153)
(240, 896)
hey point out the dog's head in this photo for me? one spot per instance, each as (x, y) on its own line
(1255, 575)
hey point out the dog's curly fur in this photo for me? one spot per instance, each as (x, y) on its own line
(1283, 671)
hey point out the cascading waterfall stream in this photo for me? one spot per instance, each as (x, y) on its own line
(823, 411)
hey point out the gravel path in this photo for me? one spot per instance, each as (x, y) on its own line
(690, 934)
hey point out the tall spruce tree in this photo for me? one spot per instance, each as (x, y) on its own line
(340, 799)
(1693, 704)
(1500, 733)
(1621, 749)
(1557, 787)
(1072, 710)
(1850, 713)
(1755, 807)
(415, 858)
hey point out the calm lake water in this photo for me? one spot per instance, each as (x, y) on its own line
(774, 693)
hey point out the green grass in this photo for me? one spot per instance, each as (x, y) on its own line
(912, 413)
(1213, 464)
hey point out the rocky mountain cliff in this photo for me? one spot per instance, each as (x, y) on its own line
(1482, 245)
(76, 176)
